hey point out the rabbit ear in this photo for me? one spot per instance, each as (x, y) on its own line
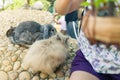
(10, 31)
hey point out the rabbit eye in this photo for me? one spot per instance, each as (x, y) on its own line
(52, 30)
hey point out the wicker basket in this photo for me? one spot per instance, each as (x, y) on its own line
(104, 29)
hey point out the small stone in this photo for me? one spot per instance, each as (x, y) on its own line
(35, 78)
(22, 55)
(1, 52)
(8, 68)
(43, 75)
(13, 75)
(61, 78)
(65, 67)
(69, 61)
(69, 65)
(18, 52)
(2, 49)
(16, 65)
(14, 58)
(66, 78)
(13, 49)
(2, 67)
(25, 51)
(24, 67)
(6, 62)
(20, 70)
(24, 76)
(3, 75)
(17, 46)
(10, 45)
(8, 54)
(51, 79)
(67, 73)
(2, 44)
(60, 73)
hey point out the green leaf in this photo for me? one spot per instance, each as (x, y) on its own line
(97, 3)
(85, 4)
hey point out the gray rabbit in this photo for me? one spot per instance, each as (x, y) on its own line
(28, 32)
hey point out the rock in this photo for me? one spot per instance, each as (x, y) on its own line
(35, 78)
(51, 79)
(69, 65)
(8, 54)
(1, 52)
(13, 49)
(8, 68)
(17, 46)
(13, 75)
(66, 78)
(2, 48)
(18, 52)
(10, 45)
(24, 76)
(60, 73)
(61, 78)
(2, 67)
(25, 51)
(67, 73)
(14, 58)
(22, 55)
(65, 67)
(43, 75)
(6, 62)
(16, 65)
(24, 67)
(3, 75)
(38, 5)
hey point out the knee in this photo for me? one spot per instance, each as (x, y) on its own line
(82, 75)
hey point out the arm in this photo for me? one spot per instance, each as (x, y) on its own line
(66, 6)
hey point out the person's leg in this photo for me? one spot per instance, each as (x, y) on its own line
(82, 75)
(81, 69)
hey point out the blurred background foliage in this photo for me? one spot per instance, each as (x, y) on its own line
(16, 4)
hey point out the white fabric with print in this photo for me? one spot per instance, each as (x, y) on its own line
(102, 59)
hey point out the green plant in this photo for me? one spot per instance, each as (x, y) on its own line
(50, 8)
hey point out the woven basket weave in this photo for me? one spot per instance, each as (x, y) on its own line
(104, 29)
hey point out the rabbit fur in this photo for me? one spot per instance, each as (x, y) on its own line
(28, 32)
(46, 55)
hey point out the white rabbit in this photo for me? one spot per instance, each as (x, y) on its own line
(46, 55)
